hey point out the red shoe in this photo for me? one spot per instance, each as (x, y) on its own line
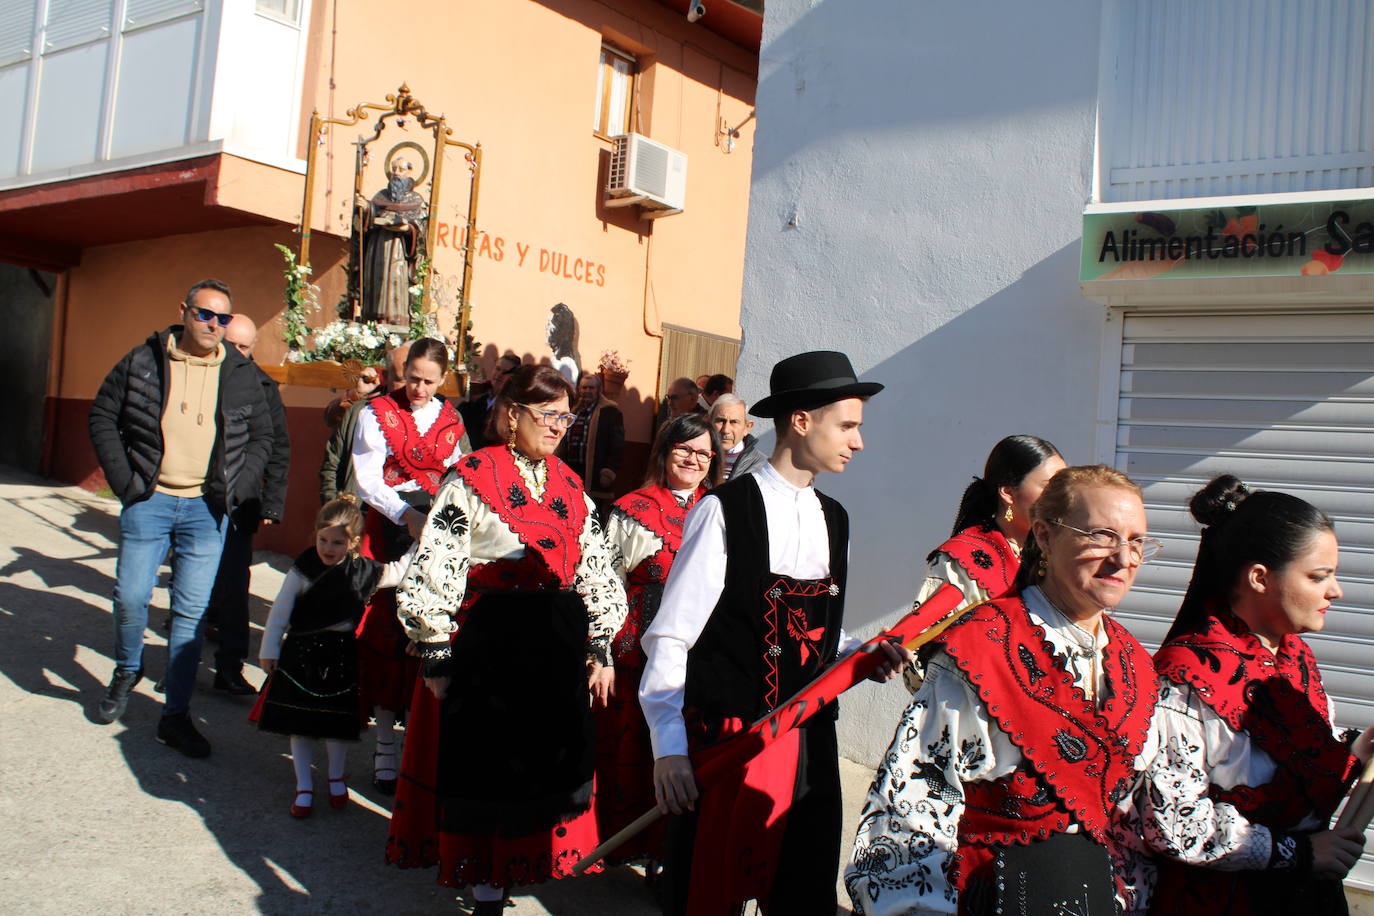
(302, 810)
(338, 802)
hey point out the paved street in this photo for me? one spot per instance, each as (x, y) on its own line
(102, 819)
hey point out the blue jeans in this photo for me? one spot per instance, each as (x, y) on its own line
(194, 530)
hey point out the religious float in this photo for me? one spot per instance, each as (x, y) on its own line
(394, 288)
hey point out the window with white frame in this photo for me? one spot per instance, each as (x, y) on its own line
(615, 84)
(288, 11)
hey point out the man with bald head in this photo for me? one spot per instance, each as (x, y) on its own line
(228, 610)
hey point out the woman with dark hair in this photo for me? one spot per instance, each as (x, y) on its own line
(645, 530)
(1002, 790)
(403, 443)
(984, 549)
(1250, 768)
(511, 604)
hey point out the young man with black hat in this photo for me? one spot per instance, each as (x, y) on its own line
(752, 612)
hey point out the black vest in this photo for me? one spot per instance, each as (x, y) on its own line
(335, 594)
(768, 635)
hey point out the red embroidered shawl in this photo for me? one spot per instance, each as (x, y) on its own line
(655, 508)
(1275, 698)
(985, 554)
(550, 527)
(410, 455)
(1083, 754)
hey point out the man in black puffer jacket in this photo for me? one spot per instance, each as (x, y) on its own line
(182, 433)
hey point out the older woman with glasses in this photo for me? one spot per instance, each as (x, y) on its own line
(1250, 767)
(645, 531)
(511, 604)
(1001, 790)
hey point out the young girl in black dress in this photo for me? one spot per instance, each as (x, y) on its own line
(310, 651)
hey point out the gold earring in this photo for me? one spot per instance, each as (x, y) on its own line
(1043, 567)
(510, 440)
(1006, 516)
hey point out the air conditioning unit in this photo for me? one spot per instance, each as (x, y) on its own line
(647, 173)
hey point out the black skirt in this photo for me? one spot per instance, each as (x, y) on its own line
(314, 690)
(1063, 873)
(517, 741)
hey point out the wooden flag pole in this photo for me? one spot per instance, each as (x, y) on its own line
(914, 630)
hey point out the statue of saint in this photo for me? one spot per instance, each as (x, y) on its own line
(392, 225)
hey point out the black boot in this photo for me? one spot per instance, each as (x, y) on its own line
(116, 698)
(232, 682)
(179, 732)
(489, 908)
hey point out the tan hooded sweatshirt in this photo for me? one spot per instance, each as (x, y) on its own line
(189, 422)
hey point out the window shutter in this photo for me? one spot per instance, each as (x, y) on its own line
(148, 12)
(75, 22)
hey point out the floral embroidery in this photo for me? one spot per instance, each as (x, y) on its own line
(1033, 671)
(981, 558)
(516, 496)
(472, 461)
(450, 519)
(1071, 747)
(559, 507)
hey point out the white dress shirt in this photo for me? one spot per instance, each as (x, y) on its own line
(798, 546)
(370, 453)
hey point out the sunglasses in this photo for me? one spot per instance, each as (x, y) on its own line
(206, 316)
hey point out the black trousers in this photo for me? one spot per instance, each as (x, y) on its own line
(228, 609)
(808, 861)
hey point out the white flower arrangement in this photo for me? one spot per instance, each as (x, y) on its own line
(343, 340)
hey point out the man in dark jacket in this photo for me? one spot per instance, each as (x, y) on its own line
(477, 408)
(228, 609)
(740, 452)
(182, 433)
(595, 445)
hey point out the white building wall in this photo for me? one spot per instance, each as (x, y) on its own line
(95, 86)
(920, 173)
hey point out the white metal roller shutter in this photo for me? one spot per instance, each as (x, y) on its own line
(1284, 402)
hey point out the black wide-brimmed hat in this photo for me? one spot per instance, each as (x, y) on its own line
(810, 380)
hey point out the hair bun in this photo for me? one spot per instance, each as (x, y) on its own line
(1215, 503)
(350, 498)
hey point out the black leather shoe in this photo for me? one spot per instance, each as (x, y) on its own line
(116, 698)
(179, 732)
(233, 683)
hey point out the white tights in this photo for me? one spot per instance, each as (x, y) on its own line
(303, 755)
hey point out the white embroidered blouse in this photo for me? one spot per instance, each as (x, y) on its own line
(463, 531)
(908, 828)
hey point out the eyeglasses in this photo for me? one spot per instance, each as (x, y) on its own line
(1107, 542)
(700, 456)
(551, 418)
(206, 316)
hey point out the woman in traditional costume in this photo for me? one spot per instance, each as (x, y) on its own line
(645, 530)
(511, 602)
(999, 792)
(1250, 767)
(983, 552)
(404, 442)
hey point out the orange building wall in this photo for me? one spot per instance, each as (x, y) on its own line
(519, 77)
(526, 91)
